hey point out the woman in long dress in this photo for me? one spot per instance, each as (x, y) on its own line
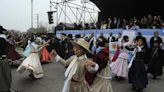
(137, 72)
(120, 66)
(155, 61)
(46, 56)
(102, 81)
(32, 62)
(27, 50)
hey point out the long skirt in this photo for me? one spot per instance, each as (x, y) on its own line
(45, 55)
(120, 66)
(101, 85)
(5, 75)
(102, 81)
(11, 53)
(137, 74)
(32, 63)
(79, 87)
(155, 67)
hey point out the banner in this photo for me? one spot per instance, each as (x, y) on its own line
(147, 33)
(130, 33)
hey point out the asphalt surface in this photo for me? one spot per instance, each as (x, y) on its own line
(54, 78)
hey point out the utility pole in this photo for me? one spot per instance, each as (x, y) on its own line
(50, 5)
(32, 14)
(50, 17)
(37, 17)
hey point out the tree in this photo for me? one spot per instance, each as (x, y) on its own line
(40, 29)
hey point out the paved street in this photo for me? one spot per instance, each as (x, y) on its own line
(54, 78)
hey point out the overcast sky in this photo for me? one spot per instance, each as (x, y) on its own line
(16, 14)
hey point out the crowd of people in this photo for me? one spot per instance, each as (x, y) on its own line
(89, 66)
(148, 21)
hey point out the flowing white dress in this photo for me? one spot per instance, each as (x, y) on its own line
(32, 63)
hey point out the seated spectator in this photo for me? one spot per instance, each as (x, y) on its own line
(135, 27)
(103, 25)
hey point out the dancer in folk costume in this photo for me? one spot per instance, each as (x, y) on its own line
(32, 62)
(155, 61)
(120, 66)
(102, 80)
(102, 64)
(137, 73)
(46, 56)
(5, 68)
(78, 65)
(27, 50)
(11, 52)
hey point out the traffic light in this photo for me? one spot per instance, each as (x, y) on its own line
(50, 17)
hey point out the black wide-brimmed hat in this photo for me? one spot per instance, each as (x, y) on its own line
(2, 29)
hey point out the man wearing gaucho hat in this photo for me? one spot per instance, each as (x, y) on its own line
(5, 69)
(78, 65)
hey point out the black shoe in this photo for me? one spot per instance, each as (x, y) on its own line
(139, 90)
(154, 77)
(32, 76)
(116, 77)
(8, 91)
(134, 88)
(121, 78)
